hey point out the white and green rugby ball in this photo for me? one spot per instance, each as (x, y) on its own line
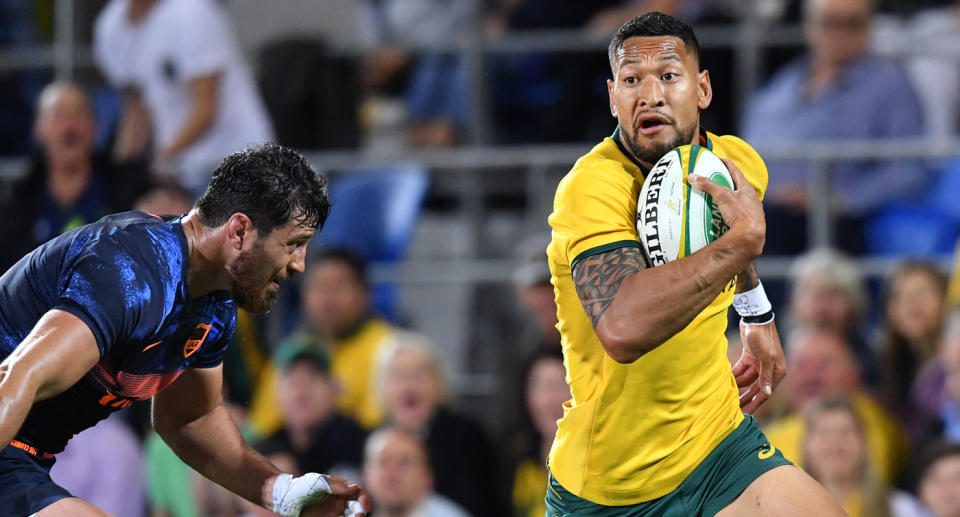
(675, 220)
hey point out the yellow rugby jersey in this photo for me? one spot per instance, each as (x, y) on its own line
(633, 432)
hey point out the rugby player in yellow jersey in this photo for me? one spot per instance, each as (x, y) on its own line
(655, 425)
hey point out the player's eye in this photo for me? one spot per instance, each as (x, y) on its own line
(631, 79)
(669, 76)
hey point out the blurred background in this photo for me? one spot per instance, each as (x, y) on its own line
(444, 127)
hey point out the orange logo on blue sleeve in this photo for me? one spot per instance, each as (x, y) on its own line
(196, 339)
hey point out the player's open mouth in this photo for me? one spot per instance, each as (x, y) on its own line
(651, 123)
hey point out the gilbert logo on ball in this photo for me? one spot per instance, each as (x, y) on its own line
(675, 220)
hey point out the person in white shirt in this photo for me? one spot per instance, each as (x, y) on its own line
(184, 80)
(398, 478)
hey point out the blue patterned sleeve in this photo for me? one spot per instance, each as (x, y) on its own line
(212, 355)
(113, 293)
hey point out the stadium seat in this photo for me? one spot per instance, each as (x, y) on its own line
(908, 230)
(374, 214)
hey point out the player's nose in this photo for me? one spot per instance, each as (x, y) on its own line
(298, 261)
(650, 92)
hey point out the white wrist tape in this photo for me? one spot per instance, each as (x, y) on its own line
(753, 302)
(291, 494)
(354, 508)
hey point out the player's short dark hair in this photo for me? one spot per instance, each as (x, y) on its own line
(270, 184)
(653, 24)
(353, 261)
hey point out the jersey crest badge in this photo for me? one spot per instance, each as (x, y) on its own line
(196, 339)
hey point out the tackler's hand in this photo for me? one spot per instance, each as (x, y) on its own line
(318, 495)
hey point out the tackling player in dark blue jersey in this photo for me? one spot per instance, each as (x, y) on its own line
(136, 306)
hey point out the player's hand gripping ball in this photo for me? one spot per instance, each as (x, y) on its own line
(313, 494)
(674, 219)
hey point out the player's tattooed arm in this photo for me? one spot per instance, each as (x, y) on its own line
(598, 278)
(748, 278)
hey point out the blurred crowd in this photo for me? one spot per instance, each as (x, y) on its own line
(871, 406)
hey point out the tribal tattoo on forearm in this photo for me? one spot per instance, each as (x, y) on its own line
(597, 278)
(748, 278)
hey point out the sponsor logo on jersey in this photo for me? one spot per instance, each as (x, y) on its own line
(766, 451)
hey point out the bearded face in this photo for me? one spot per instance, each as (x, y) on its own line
(655, 149)
(254, 280)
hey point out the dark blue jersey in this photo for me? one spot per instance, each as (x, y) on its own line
(125, 276)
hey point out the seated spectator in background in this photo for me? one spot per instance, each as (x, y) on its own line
(460, 452)
(936, 34)
(67, 185)
(398, 478)
(835, 454)
(315, 434)
(336, 307)
(821, 365)
(914, 310)
(545, 391)
(437, 88)
(953, 287)
(102, 466)
(939, 487)
(836, 92)
(165, 199)
(185, 83)
(535, 292)
(933, 410)
(608, 20)
(827, 292)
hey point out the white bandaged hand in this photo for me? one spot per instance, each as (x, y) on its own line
(291, 495)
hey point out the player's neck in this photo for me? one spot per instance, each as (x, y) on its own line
(205, 269)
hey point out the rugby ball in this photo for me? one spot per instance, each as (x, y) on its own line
(675, 220)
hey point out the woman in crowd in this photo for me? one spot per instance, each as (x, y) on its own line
(915, 296)
(835, 454)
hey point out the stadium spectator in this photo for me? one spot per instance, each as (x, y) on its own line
(67, 185)
(185, 83)
(336, 308)
(414, 398)
(827, 292)
(835, 453)
(933, 409)
(547, 97)
(165, 199)
(535, 292)
(935, 31)
(113, 482)
(939, 487)
(914, 310)
(399, 478)
(837, 91)
(436, 91)
(545, 391)
(953, 287)
(315, 434)
(821, 365)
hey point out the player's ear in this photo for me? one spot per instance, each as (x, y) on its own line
(704, 90)
(613, 106)
(239, 229)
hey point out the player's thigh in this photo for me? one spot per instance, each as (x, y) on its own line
(73, 507)
(785, 491)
